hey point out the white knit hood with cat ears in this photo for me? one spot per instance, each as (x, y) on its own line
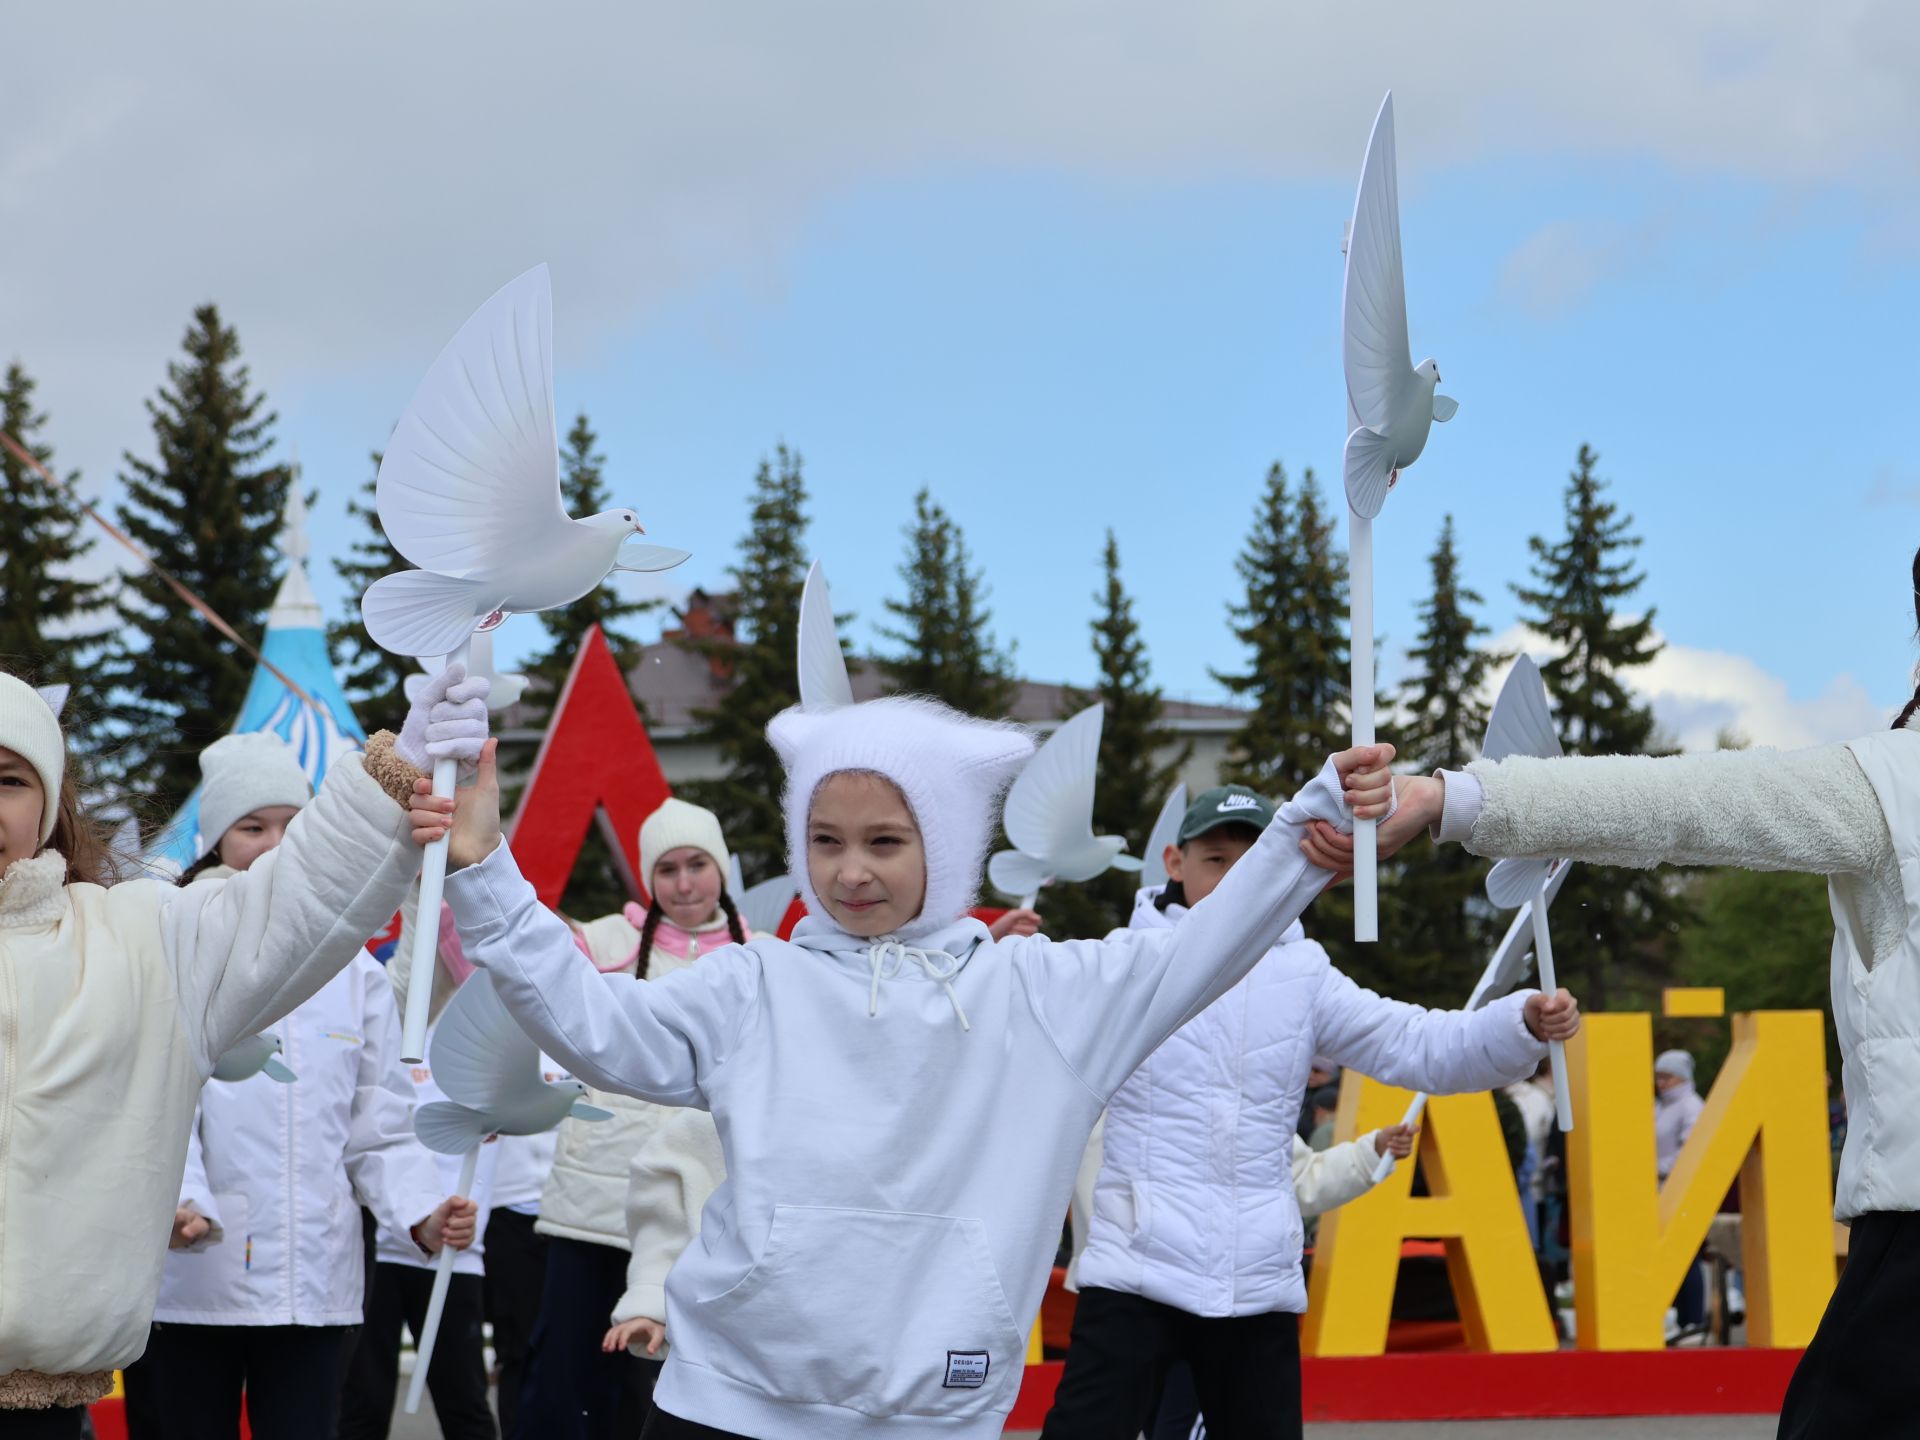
(951, 768)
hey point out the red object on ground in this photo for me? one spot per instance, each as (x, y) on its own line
(1495, 1387)
(594, 758)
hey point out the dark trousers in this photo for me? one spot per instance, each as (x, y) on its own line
(64, 1423)
(1246, 1370)
(516, 1261)
(662, 1426)
(574, 1389)
(457, 1378)
(1857, 1379)
(189, 1384)
(1177, 1416)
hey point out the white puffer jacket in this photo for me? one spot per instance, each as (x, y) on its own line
(282, 1170)
(1194, 1206)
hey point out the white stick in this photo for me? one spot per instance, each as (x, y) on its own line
(1366, 897)
(1027, 902)
(1414, 1107)
(1556, 1051)
(426, 926)
(437, 1302)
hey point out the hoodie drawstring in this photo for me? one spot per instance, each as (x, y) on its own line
(893, 950)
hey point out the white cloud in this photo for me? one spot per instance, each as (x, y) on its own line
(1697, 695)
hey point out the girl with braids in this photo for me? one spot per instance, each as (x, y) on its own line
(1852, 813)
(575, 1389)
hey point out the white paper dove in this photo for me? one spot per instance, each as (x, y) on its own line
(1391, 401)
(1166, 829)
(505, 691)
(491, 1074)
(762, 907)
(1049, 816)
(469, 490)
(824, 682)
(255, 1055)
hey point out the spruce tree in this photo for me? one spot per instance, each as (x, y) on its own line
(373, 679)
(768, 579)
(1442, 924)
(1627, 918)
(946, 649)
(583, 487)
(50, 619)
(207, 509)
(1131, 780)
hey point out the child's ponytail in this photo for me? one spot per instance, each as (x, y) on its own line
(1914, 703)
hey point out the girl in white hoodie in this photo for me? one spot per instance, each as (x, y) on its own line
(262, 1290)
(115, 1005)
(1852, 813)
(901, 1100)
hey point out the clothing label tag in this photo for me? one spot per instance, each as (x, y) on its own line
(966, 1370)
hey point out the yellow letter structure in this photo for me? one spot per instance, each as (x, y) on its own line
(1765, 1122)
(1474, 1208)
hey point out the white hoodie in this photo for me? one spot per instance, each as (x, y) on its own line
(901, 1126)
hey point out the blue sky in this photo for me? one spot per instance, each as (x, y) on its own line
(1059, 327)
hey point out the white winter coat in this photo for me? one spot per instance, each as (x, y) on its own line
(114, 1005)
(675, 1171)
(1194, 1206)
(282, 1170)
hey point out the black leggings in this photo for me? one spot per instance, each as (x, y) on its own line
(457, 1378)
(189, 1384)
(1858, 1378)
(63, 1423)
(662, 1426)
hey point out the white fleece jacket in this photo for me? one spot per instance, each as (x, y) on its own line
(114, 1005)
(901, 1127)
(1849, 812)
(674, 1173)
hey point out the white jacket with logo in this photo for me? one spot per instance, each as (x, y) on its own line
(282, 1170)
(1194, 1206)
(114, 1006)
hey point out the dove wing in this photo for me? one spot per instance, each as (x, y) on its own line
(1522, 720)
(1153, 868)
(824, 683)
(764, 906)
(1049, 810)
(1508, 965)
(1373, 330)
(471, 477)
(1015, 874)
(1511, 883)
(481, 1057)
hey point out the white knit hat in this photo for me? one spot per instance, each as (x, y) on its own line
(952, 769)
(1677, 1063)
(677, 824)
(243, 773)
(30, 729)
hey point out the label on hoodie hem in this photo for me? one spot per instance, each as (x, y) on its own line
(966, 1370)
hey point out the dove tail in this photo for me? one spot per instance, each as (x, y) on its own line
(448, 1128)
(418, 612)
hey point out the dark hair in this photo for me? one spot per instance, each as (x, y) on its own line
(78, 840)
(652, 923)
(1914, 703)
(199, 867)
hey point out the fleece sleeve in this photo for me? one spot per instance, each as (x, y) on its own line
(391, 1172)
(1326, 1179)
(1108, 1004)
(677, 1167)
(1811, 810)
(655, 1040)
(1443, 1052)
(247, 949)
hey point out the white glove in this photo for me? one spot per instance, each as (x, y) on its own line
(447, 720)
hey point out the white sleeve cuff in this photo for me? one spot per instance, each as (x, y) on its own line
(1461, 806)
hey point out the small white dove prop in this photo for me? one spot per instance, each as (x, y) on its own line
(1166, 829)
(1391, 405)
(1522, 724)
(469, 491)
(507, 689)
(484, 1061)
(55, 696)
(1049, 816)
(762, 907)
(255, 1055)
(824, 682)
(1506, 969)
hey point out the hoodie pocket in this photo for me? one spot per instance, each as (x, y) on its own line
(877, 1311)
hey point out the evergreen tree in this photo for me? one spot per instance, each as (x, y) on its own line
(49, 628)
(1131, 780)
(583, 487)
(947, 651)
(207, 510)
(1293, 620)
(768, 577)
(1442, 923)
(373, 679)
(1627, 918)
